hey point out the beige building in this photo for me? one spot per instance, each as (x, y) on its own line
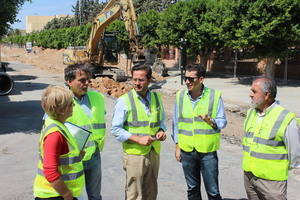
(37, 23)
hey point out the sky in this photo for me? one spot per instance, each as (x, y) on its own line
(43, 8)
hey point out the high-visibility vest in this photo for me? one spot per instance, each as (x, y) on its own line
(193, 132)
(139, 123)
(70, 164)
(264, 152)
(95, 124)
(298, 121)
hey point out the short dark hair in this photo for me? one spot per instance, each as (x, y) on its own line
(201, 71)
(144, 67)
(70, 70)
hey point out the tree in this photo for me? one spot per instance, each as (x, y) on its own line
(86, 10)
(8, 13)
(265, 27)
(195, 24)
(148, 24)
(142, 6)
(62, 22)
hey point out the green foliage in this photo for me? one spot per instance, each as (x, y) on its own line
(56, 38)
(265, 27)
(62, 22)
(142, 6)
(86, 10)
(148, 24)
(8, 13)
(195, 22)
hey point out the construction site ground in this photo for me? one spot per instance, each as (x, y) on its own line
(21, 113)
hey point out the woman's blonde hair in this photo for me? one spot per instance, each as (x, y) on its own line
(55, 100)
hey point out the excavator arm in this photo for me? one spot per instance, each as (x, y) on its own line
(114, 9)
(95, 48)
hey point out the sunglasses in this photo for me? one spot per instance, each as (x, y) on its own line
(190, 79)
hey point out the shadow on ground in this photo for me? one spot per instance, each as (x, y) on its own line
(20, 87)
(234, 199)
(23, 116)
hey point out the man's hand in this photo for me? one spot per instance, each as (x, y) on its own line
(209, 121)
(161, 135)
(177, 153)
(145, 140)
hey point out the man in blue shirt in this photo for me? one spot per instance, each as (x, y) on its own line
(139, 123)
(198, 118)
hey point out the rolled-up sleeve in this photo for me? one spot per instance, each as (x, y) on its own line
(119, 117)
(220, 119)
(292, 143)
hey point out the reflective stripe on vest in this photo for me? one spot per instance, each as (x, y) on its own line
(70, 165)
(66, 177)
(139, 123)
(192, 130)
(265, 154)
(66, 161)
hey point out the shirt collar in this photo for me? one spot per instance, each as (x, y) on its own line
(81, 99)
(203, 91)
(147, 96)
(268, 109)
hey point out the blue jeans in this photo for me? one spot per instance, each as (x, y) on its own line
(194, 164)
(92, 172)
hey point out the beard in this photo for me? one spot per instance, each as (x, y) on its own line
(257, 103)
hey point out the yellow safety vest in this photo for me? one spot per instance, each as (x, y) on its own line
(193, 132)
(140, 124)
(264, 151)
(95, 124)
(70, 164)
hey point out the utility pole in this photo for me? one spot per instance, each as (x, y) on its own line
(235, 63)
(183, 59)
(285, 69)
(80, 14)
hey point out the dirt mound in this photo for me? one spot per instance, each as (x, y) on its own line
(110, 87)
(52, 60)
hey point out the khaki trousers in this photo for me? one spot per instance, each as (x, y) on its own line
(261, 189)
(141, 176)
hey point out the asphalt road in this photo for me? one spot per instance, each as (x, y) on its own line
(20, 123)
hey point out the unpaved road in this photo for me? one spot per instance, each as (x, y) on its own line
(20, 122)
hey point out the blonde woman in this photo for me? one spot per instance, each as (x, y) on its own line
(60, 170)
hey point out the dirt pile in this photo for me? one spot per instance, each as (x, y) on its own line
(52, 60)
(49, 59)
(110, 87)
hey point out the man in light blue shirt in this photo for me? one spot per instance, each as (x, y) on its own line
(139, 123)
(197, 139)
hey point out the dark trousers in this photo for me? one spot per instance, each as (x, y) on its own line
(194, 164)
(93, 176)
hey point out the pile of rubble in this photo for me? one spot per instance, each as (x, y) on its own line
(110, 87)
(116, 89)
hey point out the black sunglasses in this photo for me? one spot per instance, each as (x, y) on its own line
(190, 79)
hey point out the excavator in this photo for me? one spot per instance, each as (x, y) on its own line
(99, 51)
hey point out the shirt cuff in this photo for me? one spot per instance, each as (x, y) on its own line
(125, 136)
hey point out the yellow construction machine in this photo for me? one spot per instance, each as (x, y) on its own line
(99, 50)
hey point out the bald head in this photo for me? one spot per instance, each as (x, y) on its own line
(267, 86)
